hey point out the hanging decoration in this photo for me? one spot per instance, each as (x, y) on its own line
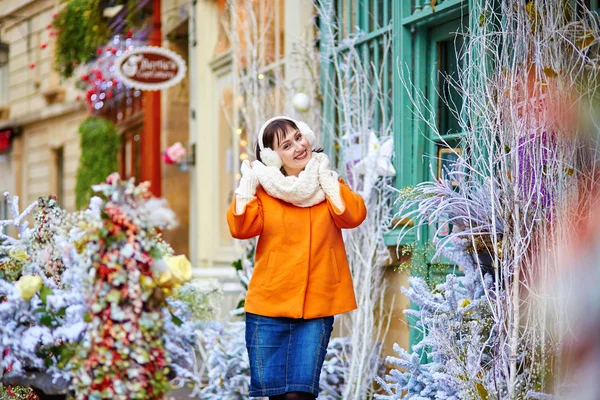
(301, 102)
(150, 68)
(103, 87)
(81, 29)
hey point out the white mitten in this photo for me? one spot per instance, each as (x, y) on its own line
(247, 187)
(328, 180)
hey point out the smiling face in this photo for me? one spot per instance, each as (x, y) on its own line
(283, 136)
(294, 151)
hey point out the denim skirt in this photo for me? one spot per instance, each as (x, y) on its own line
(286, 354)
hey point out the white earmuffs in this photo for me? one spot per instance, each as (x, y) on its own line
(270, 156)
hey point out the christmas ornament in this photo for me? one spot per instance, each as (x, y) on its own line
(301, 102)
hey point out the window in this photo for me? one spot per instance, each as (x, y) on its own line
(59, 174)
(444, 56)
(369, 22)
(3, 74)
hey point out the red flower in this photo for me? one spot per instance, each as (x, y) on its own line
(167, 159)
(129, 34)
(32, 65)
(109, 95)
(43, 46)
(99, 50)
(85, 77)
(113, 50)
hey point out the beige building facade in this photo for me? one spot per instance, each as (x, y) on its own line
(41, 112)
(217, 108)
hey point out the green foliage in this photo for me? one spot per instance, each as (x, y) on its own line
(420, 263)
(100, 143)
(81, 29)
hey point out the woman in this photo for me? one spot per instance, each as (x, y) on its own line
(297, 206)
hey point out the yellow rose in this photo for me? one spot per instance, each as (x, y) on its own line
(146, 282)
(17, 253)
(29, 285)
(180, 270)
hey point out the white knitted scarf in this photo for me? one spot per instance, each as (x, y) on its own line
(303, 190)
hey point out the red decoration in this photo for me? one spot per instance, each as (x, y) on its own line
(99, 50)
(43, 46)
(129, 34)
(5, 139)
(85, 77)
(52, 32)
(49, 26)
(167, 159)
(113, 50)
(54, 15)
(109, 95)
(32, 65)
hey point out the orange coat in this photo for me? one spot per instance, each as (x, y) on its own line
(300, 269)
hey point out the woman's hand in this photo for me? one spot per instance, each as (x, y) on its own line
(328, 179)
(248, 182)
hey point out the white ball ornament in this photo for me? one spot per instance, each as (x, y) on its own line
(301, 102)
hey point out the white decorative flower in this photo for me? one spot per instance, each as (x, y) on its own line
(377, 163)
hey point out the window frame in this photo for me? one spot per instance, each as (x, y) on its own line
(365, 13)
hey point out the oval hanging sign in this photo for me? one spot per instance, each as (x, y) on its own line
(150, 68)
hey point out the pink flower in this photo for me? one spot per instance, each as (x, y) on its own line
(176, 153)
(112, 178)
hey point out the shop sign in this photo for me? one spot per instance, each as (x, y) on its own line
(5, 140)
(150, 68)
